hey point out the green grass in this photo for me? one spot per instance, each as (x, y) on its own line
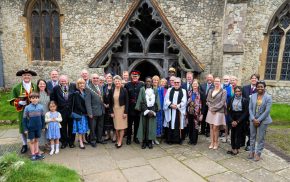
(280, 114)
(7, 112)
(279, 138)
(14, 168)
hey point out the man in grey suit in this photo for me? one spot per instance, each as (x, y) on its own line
(259, 109)
(96, 111)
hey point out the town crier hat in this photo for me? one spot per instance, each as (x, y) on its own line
(171, 69)
(135, 73)
(21, 72)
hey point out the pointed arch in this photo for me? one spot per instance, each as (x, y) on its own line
(146, 20)
(43, 24)
(276, 56)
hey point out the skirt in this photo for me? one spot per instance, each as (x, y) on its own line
(81, 126)
(53, 131)
(216, 119)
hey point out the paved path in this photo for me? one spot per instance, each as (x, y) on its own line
(175, 163)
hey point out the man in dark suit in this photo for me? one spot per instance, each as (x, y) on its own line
(53, 81)
(62, 95)
(133, 89)
(204, 89)
(247, 92)
(96, 110)
(188, 87)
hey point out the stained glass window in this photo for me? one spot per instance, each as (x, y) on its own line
(285, 70)
(45, 31)
(273, 53)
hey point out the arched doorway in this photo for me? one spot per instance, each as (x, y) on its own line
(146, 69)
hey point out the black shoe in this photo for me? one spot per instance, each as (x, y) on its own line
(230, 152)
(93, 144)
(180, 142)
(150, 146)
(23, 149)
(136, 141)
(247, 148)
(72, 145)
(190, 142)
(207, 134)
(194, 143)
(169, 143)
(102, 142)
(143, 145)
(119, 146)
(201, 133)
(114, 141)
(63, 145)
(128, 142)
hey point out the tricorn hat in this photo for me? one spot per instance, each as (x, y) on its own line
(21, 72)
(135, 72)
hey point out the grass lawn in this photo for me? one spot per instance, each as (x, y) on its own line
(7, 112)
(14, 168)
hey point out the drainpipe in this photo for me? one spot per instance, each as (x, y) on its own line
(2, 84)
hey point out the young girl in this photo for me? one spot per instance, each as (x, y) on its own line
(52, 120)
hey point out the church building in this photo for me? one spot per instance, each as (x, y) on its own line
(233, 37)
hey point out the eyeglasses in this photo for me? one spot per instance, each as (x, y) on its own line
(95, 77)
(176, 82)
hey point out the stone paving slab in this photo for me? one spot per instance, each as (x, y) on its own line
(284, 173)
(204, 166)
(107, 176)
(141, 174)
(228, 176)
(262, 175)
(134, 162)
(239, 165)
(164, 162)
(173, 170)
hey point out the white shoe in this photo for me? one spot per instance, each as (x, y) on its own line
(156, 142)
(224, 140)
(51, 152)
(56, 151)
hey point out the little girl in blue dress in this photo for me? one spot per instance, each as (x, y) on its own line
(52, 120)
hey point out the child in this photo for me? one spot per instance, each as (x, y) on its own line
(33, 123)
(53, 119)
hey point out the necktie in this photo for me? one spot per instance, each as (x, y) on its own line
(65, 94)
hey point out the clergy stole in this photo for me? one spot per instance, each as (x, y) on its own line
(175, 97)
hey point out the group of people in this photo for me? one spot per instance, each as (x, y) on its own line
(99, 109)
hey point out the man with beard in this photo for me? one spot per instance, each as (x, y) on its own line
(175, 110)
(133, 89)
(148, 103)
(20, 93)
(62, 95)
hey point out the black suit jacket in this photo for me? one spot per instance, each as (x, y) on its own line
(245, 110)
(123, 99)
(246, 91)
(78, 103)
(203, 96)
(57, 96)
(49, 86)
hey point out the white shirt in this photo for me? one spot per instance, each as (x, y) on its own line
(27, 86)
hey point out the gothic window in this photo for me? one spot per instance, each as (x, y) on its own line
(278, 55)
(45, 30)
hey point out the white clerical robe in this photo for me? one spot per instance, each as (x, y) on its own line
(170, 114)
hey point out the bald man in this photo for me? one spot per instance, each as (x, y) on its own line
(62, 95)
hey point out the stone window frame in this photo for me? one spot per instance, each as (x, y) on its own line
(273, 24)
(28, 34)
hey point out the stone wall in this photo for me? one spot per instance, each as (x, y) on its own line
(86, 26)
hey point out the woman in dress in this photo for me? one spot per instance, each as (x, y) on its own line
(194, 113)
(259, 109)
(43, 100)
(238, 112)
(108, 121)
(119, 109)
(80, 123)
(216, 102)
(159, 114)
